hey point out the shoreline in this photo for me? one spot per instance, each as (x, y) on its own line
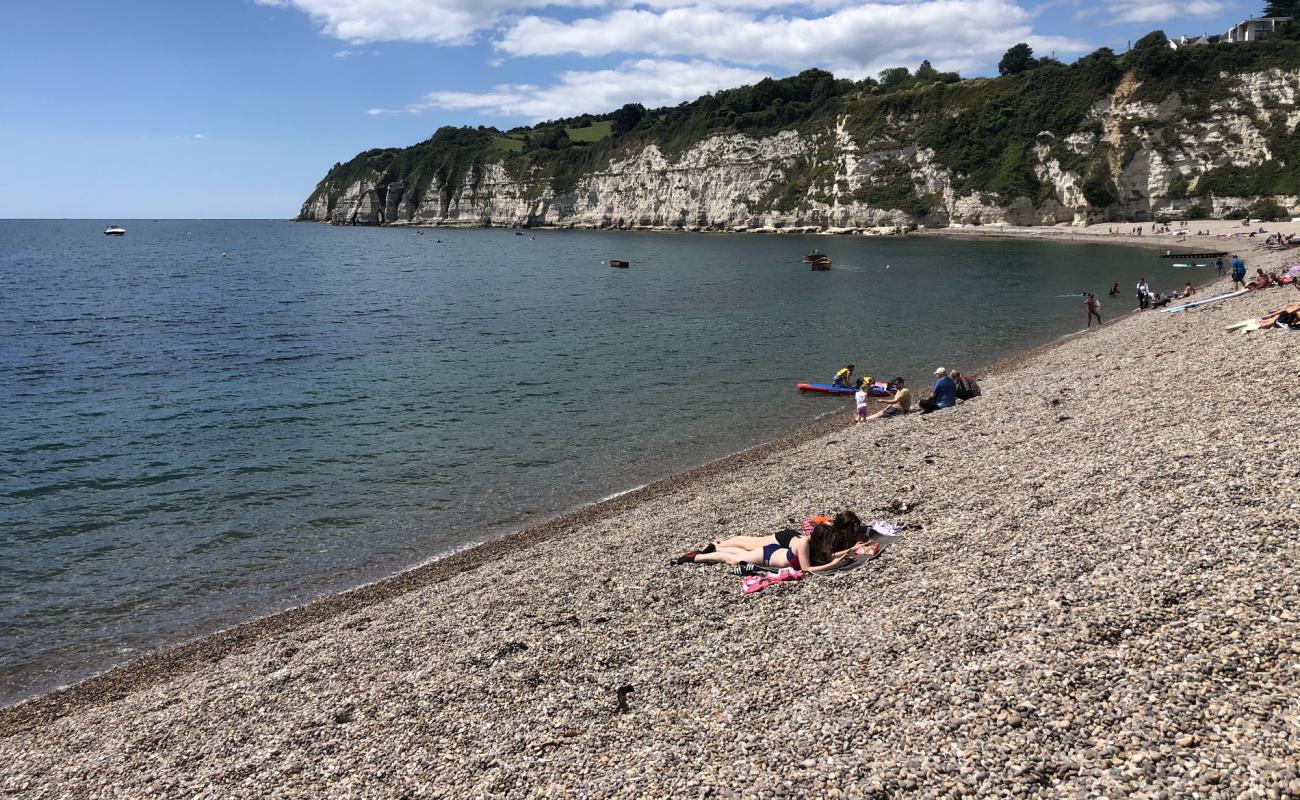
(1091, 553)
(171, 660)
(166, 660)
(175, 660)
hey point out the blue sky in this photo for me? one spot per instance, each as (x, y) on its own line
(235, 108)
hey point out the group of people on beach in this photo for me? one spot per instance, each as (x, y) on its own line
(1148, 299)
(824, 543)
(1263, 280)
(1138, 230)
(950, 386)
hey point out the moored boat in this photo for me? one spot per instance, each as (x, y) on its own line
(818, 261)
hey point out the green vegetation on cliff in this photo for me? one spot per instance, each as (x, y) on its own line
(983, 131)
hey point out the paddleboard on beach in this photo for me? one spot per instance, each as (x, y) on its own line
(875, 389)
(1216, 298)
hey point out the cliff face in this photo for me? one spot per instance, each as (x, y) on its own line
(1152, 156)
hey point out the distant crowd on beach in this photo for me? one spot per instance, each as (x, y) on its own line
(1275, 239)
(1148, 299)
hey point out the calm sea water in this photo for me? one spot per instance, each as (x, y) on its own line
(208, 420)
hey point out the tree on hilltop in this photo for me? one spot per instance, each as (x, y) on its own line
(626, 118)
(1016, 60)
(894, 78)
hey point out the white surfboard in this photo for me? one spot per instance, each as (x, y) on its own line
(1214, 299)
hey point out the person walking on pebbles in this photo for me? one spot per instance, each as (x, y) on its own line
(1092, 305)
(1238, 273)
(1144, 295)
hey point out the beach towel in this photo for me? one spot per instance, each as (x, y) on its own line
(757, 583)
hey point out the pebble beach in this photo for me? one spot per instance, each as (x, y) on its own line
(1097, 594)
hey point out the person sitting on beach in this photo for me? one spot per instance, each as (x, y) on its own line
(1188, 290)
(814, 552)
(1260, 281)
(899, 403)
(966, 385)
(843, 377)
(942, 395)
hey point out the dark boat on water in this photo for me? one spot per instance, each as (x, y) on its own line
(618, 264)
(818, 261)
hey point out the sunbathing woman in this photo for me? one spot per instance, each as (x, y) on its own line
(846, 524)
(846, 534)
(810, 553)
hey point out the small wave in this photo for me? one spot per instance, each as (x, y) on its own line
(617, 495)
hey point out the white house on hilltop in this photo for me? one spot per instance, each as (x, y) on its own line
(1191, 41)
(1252, 29)
(1246, 31)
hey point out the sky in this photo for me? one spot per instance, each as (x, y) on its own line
(236, 108)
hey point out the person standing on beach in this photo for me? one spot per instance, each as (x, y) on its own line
(1090, 303)
(1144, 295)
(861, 398)
(1238, 273)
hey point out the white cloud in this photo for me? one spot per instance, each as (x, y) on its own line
(1116, 12)
(696, 45)
(852, 41)
(437, 21)
(647, 81)
(350, 52)
(199, 136)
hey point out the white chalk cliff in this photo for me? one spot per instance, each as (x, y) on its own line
(727, 182)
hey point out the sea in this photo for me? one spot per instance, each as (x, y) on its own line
(204, 421)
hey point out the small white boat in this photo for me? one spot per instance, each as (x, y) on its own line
(115, 230)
